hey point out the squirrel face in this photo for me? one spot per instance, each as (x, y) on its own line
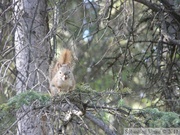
(65, 72)
(65, 76)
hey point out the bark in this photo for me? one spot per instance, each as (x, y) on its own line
(100, 124)
(31, 45)
(31, 55)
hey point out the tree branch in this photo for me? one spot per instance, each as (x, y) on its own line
(167, 36)
(111, 108)
(152, 6)
(99, 123)
(170, 10)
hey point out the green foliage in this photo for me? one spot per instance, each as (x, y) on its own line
(126, 73)
(126, 90)
(84, 88)
(8, 110)
(121, 102)
(160, 119)
(6, 120)
(25, 98)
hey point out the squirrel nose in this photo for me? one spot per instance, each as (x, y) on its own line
(66, 76)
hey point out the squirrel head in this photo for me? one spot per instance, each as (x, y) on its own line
(64, 71)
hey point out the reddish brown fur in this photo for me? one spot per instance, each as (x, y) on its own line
(62, 78)
(64, 58)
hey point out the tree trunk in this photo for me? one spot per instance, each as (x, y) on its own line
(32, 58)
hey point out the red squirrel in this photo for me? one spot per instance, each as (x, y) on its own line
(62, 78)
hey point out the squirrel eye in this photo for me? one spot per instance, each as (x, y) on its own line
(59, 72)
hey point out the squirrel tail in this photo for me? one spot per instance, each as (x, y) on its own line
(65, 57)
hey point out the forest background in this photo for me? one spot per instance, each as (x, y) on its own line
(126, 65)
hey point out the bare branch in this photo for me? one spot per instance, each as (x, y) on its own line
(167, 36)
(99, 123)
(152, 6)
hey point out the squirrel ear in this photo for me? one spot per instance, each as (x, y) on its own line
(69, 64)
(59, 65)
